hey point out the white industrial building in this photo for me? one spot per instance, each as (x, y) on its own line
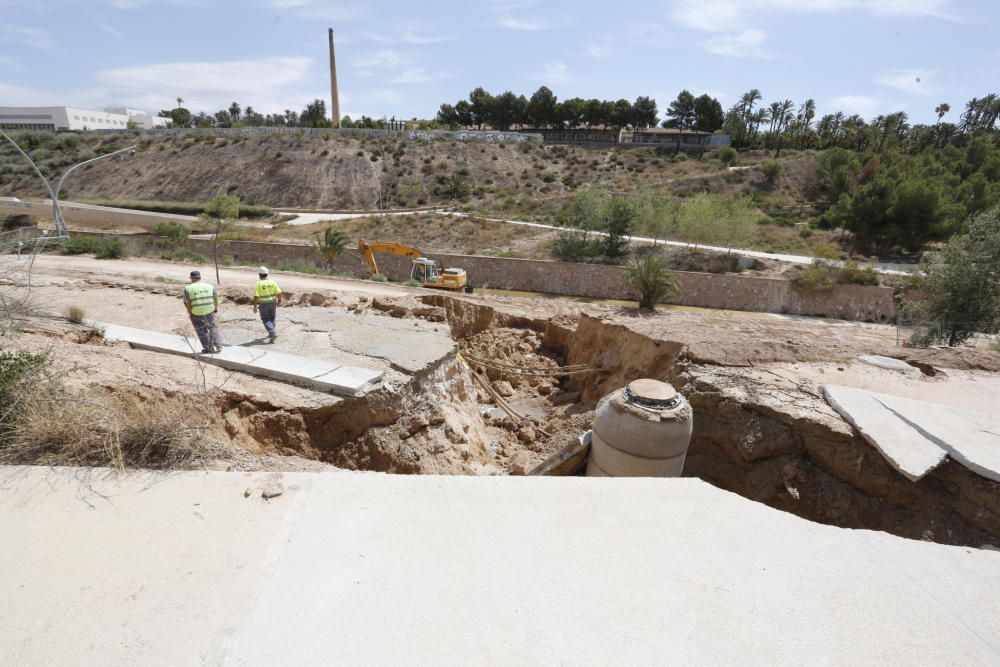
(72, 118)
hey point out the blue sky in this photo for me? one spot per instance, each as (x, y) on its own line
(404, 58)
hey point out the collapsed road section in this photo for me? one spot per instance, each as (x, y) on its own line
(762, 427)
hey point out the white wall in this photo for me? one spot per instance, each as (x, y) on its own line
(85, 119)
(71, 118)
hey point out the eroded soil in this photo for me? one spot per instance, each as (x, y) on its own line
(761, 427)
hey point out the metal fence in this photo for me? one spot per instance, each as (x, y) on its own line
(28, 240)
(425, 135)
(910, 331)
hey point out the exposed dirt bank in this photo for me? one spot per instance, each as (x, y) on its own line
(761, 428)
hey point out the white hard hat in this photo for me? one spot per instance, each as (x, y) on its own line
(262, 271)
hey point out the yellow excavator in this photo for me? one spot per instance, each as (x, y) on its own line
(425, 271)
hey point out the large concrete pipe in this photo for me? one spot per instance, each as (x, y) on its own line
(642, 430)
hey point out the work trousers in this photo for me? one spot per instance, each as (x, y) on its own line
(208, 332)
(268, 313)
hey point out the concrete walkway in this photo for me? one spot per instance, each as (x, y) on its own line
(101, 568)
(313, 373)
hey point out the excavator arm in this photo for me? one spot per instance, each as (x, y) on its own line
(368, 251)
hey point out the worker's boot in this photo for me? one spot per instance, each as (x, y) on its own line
(272, 337)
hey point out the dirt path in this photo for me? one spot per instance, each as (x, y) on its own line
(50, 268)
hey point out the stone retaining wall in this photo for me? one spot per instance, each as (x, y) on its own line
(598, 281)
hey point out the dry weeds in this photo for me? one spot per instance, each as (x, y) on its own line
(100, 427)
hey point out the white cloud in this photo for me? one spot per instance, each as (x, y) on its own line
(731, 15)
(18, 34)
(411, 33)
(416, 75)
(289, 4)
(862, 105)
(598, 51)
(510, 14)
(267, 83)
(910, 81)
(325, 11)
(747, 44)
(109, 30)
(554, 72)
(10, 65)
(380, 58)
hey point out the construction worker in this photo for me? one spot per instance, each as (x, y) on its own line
(202, 303)
(266, 297)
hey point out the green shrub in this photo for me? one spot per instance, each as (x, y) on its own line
(654, 280)
(112, 247)
(817, 277)
(80, 245)
(772, 170)
(455, 186)
(180, 208)
(853, 273)
(727, 155)
(331, 245)
(410, 282)
(572, 246)
(298, 265)
(174, 234)
(187, 256)
(379, 278)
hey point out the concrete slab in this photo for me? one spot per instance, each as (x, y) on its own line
(888, 363)
(971, 438)
(313, 373)
(908, 432)
(903, 447)
(352, 568)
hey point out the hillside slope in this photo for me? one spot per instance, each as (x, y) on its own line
(308, 171)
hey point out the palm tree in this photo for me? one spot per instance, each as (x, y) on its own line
(990, 110)
(746, 104)
(774, 112)
(784, 119)
(807, 112)
(940, 110)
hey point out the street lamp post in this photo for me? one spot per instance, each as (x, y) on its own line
(61, 228)
(57, 217)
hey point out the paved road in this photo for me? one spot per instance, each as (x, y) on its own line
(313, 218)
(182, 568)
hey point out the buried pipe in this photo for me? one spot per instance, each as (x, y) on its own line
(641, 430)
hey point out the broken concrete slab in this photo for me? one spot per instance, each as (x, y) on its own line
(971, 438)
(187, 568)
(915, 436)
(313, 373)
(904, 448)
(888, 363)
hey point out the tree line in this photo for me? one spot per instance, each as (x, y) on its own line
(543, 109)
(235, 115)
(782, 123)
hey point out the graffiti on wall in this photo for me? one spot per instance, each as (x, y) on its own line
(426, 135)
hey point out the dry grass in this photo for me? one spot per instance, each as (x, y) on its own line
(103, 428)
(428, 232)
(76, 314)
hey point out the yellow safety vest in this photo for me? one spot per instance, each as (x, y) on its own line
(201, 296)
(266, 291)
